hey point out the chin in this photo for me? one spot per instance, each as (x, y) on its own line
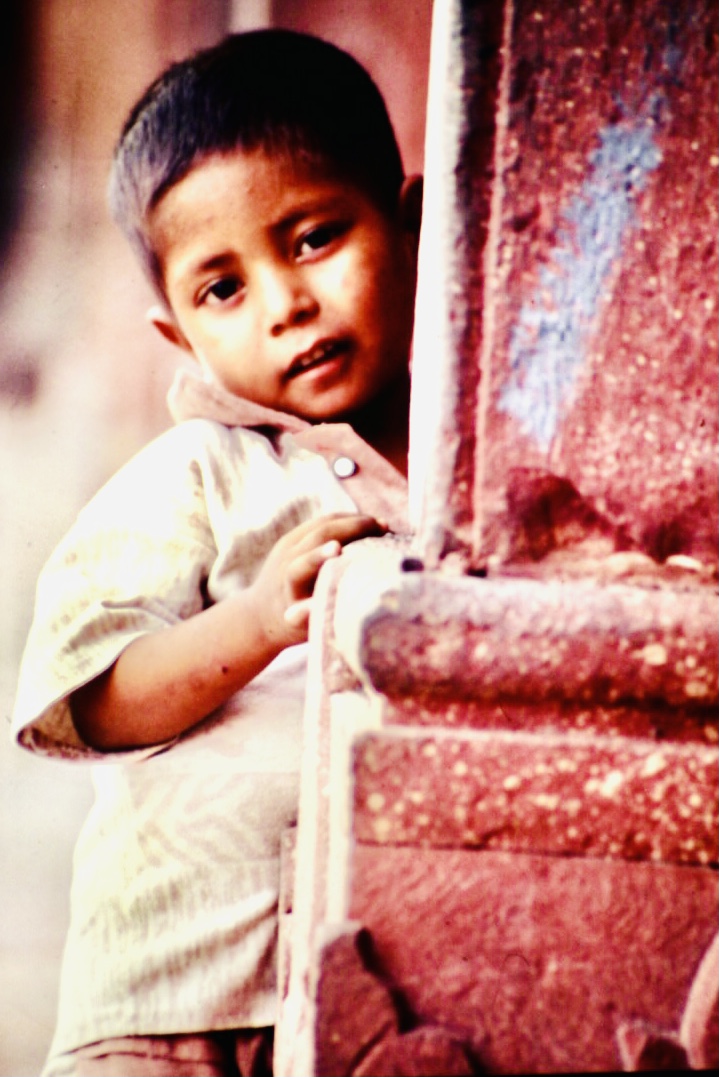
(333, 409)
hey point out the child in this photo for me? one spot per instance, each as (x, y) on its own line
(261, 185)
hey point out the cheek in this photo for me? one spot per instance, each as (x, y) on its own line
(223, 334)
(372, 288)
(337, 280)
(352, 279)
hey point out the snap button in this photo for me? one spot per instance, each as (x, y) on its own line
(344, 467)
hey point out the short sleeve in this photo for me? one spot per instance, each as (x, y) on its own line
(136, 561)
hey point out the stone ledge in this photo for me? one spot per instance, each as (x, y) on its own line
(562, 795)
(432, 635)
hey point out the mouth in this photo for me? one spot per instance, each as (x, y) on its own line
(324, 352)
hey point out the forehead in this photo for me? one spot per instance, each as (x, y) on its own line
(248, 191)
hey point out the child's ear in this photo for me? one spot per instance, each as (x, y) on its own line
(168, 327)
(410, 204)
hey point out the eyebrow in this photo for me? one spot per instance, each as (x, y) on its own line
(207, 265)
(188, 272)
(329, 204)
(226, 259)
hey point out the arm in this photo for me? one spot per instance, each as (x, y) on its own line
(167, 681)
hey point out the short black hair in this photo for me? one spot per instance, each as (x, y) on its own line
(276, 90)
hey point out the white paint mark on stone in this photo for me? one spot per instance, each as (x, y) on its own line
(607, 786)
(653, 764)
(547, 349)
(547, 800)
(654, 654)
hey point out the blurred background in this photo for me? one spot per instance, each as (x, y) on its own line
(83, 377)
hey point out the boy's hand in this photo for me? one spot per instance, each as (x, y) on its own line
(283, 589)
(165, 682)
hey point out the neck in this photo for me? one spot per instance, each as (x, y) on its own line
(384, 422)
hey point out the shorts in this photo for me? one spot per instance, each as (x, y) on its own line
(235, 1053)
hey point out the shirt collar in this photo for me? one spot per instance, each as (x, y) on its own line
(374, 485)
(194, 397)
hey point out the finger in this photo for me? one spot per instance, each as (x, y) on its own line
(302, 572)
(346, 529)
(312, 527)
(298, 614)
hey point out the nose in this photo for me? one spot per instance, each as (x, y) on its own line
(288, 299)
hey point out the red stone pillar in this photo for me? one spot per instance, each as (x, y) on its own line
(513, 830)
(578, 289)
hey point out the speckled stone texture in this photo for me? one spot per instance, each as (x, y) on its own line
(540, 899)
(363, 1027)
(303, 887)
(595, 653)
(537, 960)
(523, 640)
(582, 300)
(604, 354)
(354, 1009)
(511, 769)
(559, 795)
(699, 1030)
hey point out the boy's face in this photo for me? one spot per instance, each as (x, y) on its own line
(290, 286)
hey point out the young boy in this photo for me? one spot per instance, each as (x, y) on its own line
(261, 185)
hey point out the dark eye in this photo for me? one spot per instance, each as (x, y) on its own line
(219, 291)
(318, 238)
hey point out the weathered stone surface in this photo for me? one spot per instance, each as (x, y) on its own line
(354, 1010)
(522, 640)
(643, 1048)
(440, 647)
(594, 327)
(535, 960)
(603, 362)
(699, 1032)
(294, 1031)
(620, 798)
(417, 1053)
(547, 896)
(680, 724)
(455, 267)
(546, 514)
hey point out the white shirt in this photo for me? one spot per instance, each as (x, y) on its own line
(174, 900)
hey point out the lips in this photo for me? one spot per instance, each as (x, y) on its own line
(322, 352)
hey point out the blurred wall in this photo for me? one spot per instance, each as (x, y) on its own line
(15, 119)
(391, 39)
(82, 376)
